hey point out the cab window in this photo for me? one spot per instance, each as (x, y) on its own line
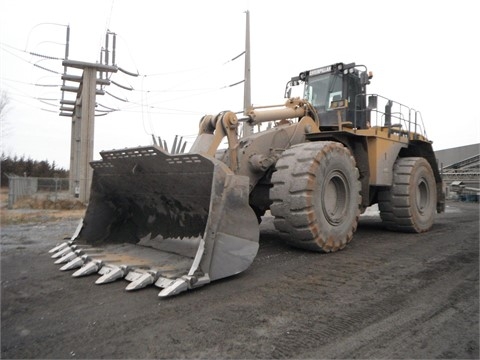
(322, 90)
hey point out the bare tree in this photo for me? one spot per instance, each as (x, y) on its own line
(4, 102)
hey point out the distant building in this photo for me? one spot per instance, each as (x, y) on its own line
(451, 156)
(460, 168)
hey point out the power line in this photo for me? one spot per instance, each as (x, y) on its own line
(32, 53)
(45, 56)
(29, 62)
(188, 93)
(46, 69)
(29, 83)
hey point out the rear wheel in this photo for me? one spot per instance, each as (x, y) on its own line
(316, 196)
(410, 204)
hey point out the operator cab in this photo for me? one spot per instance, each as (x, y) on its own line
(339, 87)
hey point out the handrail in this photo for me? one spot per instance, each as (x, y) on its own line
(400, 115)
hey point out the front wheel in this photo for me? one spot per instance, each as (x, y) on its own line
(316, 196)
(410, 204)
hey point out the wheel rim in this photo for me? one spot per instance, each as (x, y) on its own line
(422, 196)
(335, 197)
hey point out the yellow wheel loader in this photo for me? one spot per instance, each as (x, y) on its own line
(180, 221)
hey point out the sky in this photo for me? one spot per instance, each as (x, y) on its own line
(423, 54)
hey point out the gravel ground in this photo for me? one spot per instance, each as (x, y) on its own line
(387, 295)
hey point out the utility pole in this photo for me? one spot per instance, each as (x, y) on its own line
(67, 46)
(82, 112)
(247, 96)
(83, 122)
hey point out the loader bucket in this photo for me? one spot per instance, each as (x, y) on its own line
(175, 221)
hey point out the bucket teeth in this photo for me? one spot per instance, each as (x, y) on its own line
(143, 281)
(68, 257)
(89, 268)
(116, 273)
(75, 263)
(64, 251)
(60, 247)
(178, 286)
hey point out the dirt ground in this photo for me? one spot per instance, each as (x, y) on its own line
(387, 295)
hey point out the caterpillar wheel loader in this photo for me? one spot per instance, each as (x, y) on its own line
(180, 221)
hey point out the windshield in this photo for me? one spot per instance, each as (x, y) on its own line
(321, 90)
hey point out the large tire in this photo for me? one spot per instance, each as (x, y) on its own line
(410, 204)
(316, 196)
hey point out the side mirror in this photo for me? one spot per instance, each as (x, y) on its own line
(372, 102)
(288, 88)
(288, 92)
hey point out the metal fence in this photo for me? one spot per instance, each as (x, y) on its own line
(52, 189)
